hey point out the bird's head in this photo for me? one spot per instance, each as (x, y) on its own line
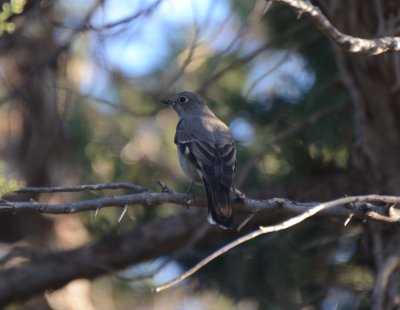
(187, 103)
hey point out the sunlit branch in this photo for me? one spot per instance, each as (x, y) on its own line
(347, 42)
(268, 229)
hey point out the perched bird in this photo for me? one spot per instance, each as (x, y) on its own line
(206, 152)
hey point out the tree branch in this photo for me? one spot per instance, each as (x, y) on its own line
(347, 42)
(162, 236)
(82, 188)
(377, 207)
(53, 270)
(268, 229)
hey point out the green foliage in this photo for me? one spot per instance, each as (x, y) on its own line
(129, 138)
(7, 185)
(8, 10)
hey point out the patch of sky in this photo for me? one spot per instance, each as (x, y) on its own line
(278, 74)
(168, 272)
(242, 131)
(143, 46)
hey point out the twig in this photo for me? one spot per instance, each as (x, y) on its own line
(261, 231)
(347, 42)
(241, 61)
(144, 12)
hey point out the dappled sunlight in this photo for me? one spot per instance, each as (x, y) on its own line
(81, 117)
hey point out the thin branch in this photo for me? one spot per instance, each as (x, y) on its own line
(83, 188)
(264, 230)
(241, 61)
(141, 13)
(347, 42)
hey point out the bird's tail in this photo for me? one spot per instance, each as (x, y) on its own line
(219, 206)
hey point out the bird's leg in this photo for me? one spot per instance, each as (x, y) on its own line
(189, 195)
(239, 195)
(189, 190)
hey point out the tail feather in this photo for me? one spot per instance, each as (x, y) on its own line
(219, 206)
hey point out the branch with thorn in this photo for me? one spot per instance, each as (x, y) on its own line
(159, 237)
(262, 230)
(381, 208)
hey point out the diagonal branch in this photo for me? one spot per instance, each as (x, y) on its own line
(264, 230)
(160, 237)
(53, 270)
(347, 42)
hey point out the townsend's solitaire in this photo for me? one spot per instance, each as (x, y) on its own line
(206, 152)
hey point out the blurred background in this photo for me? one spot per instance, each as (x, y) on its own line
(81, 83)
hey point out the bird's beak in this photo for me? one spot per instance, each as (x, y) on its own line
(167, 101)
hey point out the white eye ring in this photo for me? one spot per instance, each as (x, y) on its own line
(183, 99)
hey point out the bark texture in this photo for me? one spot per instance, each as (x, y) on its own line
(373, 83)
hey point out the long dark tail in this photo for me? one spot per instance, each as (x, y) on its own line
(219, 206)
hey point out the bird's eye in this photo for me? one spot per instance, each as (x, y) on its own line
(183, 99)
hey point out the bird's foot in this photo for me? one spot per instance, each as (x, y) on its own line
(189, 195)
(239, 195)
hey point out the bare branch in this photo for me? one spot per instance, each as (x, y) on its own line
(264, 230)
(381, 208)
(141, 13)
(53, 270)
(347, 42)
(241, 61)
(82, 188)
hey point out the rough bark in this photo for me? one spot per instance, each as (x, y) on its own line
(374, 87)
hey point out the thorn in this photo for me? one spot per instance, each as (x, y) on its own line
(122, 213)
(95, 213)
(268, 5)
(347, 221)
(164, 187)
(299, 15)
(245, 221)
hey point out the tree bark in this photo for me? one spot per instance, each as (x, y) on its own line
(373, 83)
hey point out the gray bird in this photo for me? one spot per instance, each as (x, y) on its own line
(206, 152)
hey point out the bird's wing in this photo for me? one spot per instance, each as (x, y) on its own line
(214, 158)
